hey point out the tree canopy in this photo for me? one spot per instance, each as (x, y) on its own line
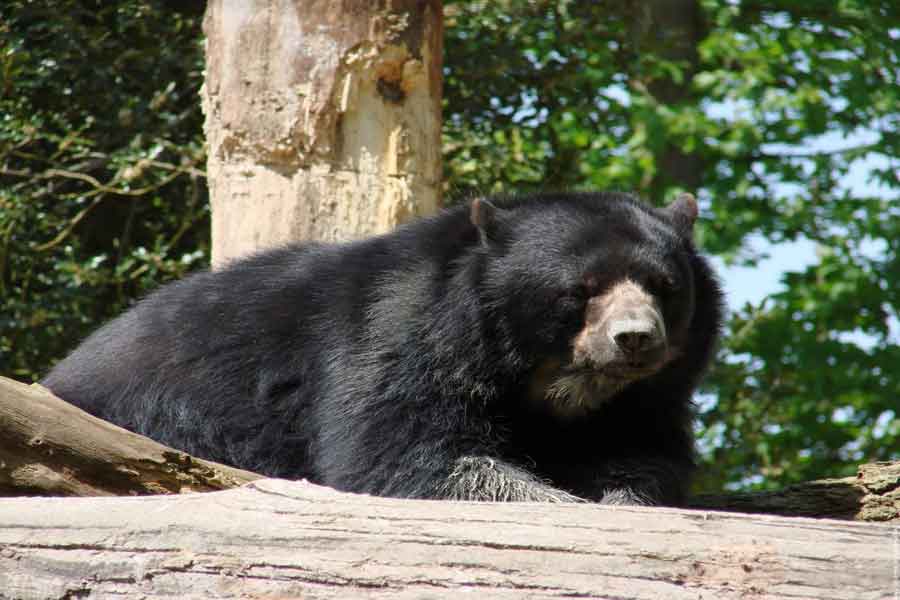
(766, 110)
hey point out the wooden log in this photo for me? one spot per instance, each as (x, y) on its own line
(873, 495)
(50, 448)
(279, 539)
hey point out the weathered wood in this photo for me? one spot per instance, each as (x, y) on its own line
(51, 448)
(322, 118)
(274, 538)
(873, 495)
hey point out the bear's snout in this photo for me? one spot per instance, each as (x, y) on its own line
(624, 330)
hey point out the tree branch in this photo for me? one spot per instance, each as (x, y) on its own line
(873, 495)
(51, 448)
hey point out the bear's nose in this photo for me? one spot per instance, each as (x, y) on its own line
(634, 341)
(636, 338)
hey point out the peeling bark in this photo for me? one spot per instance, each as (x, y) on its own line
(322, 119)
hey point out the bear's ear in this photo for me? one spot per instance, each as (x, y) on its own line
(487, 218)
(684, 211)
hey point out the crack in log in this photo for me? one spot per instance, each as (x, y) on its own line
(90, 547)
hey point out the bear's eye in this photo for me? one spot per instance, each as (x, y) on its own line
(668, 283)
(591, 286)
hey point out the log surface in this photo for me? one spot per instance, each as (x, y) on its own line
(279, 539)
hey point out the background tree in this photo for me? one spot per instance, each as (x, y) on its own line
(764, 108)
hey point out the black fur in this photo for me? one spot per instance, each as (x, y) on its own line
(400, 365)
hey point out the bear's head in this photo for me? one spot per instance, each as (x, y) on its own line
(594, 292)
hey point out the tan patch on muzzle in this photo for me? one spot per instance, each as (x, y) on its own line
(623, 325)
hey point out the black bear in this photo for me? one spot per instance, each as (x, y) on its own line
(540, 348)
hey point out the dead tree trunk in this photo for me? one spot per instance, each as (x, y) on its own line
(322, 119)
(278, 538)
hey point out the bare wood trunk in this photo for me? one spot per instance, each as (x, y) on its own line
(51, 448)
(322, 118)
(275, 538)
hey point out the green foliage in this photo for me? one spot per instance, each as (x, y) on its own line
(102, 194)
(535, 98)
(772, 110)
(808, 385)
